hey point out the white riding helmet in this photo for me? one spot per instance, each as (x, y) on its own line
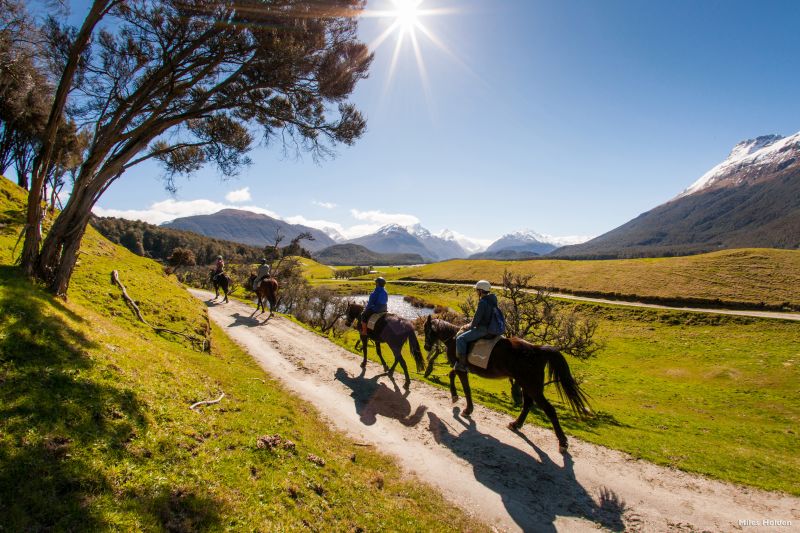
(484, 286)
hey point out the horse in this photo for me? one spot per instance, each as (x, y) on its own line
(267, 291)
(223, 281)
(396, 331)
(517, 359)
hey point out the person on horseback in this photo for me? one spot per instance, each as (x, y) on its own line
(220, 268)
(479, 327)
(378, 303)
(264, 271)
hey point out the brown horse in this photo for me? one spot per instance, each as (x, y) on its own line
(267, 291)
(220, 282)
(517, 359)
(394, 333)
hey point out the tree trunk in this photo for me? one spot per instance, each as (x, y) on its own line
(22, 180)
(33, 233)
(59, 253)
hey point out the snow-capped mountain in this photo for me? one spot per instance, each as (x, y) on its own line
(751, 199)
(440, 248)
(748, 160)
(333, 233)
(394, 238)
(470, 245)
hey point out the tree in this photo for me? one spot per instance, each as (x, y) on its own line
(191, 82)
(182, 257)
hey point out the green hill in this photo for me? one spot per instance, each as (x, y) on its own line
(96, 431)
(745, 277)
(357, 255)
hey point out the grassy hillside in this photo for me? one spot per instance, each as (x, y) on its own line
(96, 433)
(747, 276)
(712, 394)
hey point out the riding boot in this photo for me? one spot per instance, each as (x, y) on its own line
(364, 330)
(461, 364)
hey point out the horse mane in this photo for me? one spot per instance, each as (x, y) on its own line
(443, 326)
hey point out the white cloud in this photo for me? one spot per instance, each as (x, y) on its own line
(239, 195)
(326, 205)
(382, 219)
(170, 209)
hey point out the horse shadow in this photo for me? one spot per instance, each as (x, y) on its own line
(534, 490)
(242, 320)
(373, 398)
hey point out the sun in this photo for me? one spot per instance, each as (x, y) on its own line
(407, 13)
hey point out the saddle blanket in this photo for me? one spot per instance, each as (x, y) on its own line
(373, 319)
(481, 350)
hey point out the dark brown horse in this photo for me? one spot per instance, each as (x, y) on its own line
(517, 359)
(267, 291)
(395, 332)
(220, 282)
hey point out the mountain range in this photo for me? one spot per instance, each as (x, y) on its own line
(259, 230)
(250, 228)
(750, 200)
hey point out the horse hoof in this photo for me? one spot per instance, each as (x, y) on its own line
(454, 399)
(407, 385)
(467, 412)
(363, 364)
(562, 448)
(512, 426)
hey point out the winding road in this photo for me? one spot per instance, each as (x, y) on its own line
(512, 481)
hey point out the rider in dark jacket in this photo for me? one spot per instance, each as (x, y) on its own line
(378, 303)
(479, 327)
(220, 268)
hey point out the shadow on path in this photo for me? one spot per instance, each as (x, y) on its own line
(534, 490)
(373, 399)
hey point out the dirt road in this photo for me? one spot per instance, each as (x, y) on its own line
(512, 481)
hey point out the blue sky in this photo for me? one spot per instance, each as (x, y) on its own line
(565, 117)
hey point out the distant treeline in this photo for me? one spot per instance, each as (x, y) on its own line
(159, 243)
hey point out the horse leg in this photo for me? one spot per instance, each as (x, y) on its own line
(527, 403)
(550, 411)
(364, 351)
(453, 391)
(380, 356)
(464, 377)
(398, 358)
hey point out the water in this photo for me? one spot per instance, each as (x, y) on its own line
(399, 306)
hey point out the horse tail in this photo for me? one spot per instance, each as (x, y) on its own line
(413, 343)
(568, 388)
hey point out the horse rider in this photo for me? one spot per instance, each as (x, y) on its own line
(220, 268)
(378, 303)
(479, 328)
(264, 271)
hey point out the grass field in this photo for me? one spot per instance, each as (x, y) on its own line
(96, 433)
(711, 394)
(747, 276)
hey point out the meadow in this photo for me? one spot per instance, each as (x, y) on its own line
(96, 431)
(767, 278)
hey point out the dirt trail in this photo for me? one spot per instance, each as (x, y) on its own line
(512, 481)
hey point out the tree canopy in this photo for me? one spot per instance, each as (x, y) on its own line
(190, 83)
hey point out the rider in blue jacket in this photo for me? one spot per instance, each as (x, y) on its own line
(378, 303)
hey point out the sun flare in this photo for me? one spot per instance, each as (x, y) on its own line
(407, 12)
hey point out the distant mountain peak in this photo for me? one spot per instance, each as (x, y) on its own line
(748, 159)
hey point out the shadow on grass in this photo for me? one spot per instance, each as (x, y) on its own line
(535, 490)
(62, 419)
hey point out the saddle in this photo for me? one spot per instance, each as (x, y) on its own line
(478, 352)
(372, 321)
